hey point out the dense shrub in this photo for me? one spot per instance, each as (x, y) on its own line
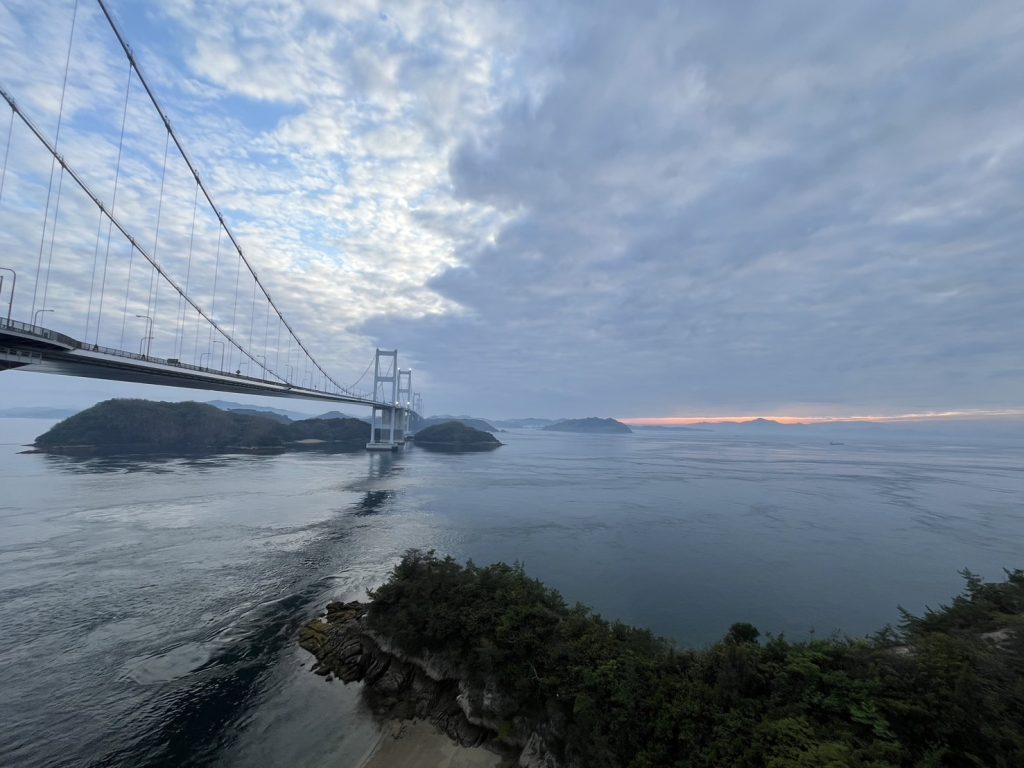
(936, 691)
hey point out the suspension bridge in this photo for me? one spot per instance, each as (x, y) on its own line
(115, 262)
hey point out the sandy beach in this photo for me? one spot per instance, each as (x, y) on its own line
(417, 744)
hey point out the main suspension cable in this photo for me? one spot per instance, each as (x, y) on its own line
(53, 236)
(7, 153)
(188, 161)
(136, 246)
(363, 375)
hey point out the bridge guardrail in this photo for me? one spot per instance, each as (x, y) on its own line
(38, 330)
(61, 338)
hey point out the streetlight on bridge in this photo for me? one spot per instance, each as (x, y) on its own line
(149, 333)
(221, 353)
(38, 312)
(14, 283)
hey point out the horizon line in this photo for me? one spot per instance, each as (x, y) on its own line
(670, 421)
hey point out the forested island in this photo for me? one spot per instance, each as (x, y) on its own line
(492, 656)
(455, 436)
(591, 424)
(481, 424)
(136, 427)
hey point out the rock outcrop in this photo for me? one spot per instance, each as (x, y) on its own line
(401, 687)
(490, 654)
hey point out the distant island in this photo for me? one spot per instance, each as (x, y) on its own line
(480, 424)
(135, 427)
(491, 656)
(528, 423)
(337, 415)
(454, 435)
(673, 427)
(231, 405)
(37, 412)
(592, 425)
(278, 417)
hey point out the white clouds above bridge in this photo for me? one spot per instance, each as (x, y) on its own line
(629, 209)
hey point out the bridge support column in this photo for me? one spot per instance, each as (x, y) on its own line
(405, 400)
(416, 416)
(384, 426)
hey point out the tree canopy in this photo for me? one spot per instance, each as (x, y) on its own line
(942, 689)
(146, 426)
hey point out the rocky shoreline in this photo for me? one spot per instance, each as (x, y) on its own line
(492, 657)
(402, 687)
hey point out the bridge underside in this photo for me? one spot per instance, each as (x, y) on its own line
(40, 350)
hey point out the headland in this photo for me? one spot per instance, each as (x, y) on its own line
(494, 659)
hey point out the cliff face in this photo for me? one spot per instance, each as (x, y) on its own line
(428, 687)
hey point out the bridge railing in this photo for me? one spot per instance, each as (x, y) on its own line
(68, 341)
(38, 330)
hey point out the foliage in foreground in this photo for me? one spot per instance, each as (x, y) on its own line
(934, 692)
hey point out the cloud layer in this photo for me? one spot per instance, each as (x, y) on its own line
(780, 208)
(658, 209)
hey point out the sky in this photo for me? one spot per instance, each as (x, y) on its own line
(644, 209)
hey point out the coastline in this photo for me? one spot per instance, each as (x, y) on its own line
(137, 451)
(495, 660)
(418, 744)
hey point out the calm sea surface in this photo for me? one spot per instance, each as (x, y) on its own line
(148, 609)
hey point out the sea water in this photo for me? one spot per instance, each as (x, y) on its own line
(149, 607)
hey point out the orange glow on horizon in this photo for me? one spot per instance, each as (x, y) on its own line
(682, 421)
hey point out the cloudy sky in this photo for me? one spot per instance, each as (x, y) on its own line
(628, 209)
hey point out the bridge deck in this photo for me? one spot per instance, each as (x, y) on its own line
(41, 350)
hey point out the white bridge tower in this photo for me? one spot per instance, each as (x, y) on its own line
(387, 430)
